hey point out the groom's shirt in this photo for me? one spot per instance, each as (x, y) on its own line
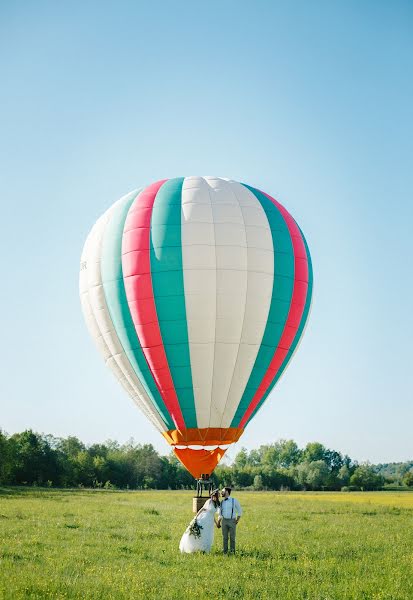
(230, 508)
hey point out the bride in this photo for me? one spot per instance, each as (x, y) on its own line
(199, 534)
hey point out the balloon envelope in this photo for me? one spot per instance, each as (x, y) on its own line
(196, 291)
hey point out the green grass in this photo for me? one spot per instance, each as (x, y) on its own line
(97, 544)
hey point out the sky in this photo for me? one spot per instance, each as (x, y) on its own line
(311, 102)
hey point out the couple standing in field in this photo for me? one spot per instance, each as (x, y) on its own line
(199, 535)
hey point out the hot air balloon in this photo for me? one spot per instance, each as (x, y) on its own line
(196, 291)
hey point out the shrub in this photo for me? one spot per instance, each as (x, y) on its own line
(258, 485)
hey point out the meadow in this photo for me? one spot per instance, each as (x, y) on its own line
(112, 544)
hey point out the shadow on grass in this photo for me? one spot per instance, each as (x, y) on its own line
(5, 491)
(151, 511)
(257, 553)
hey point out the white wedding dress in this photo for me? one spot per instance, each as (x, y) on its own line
(191, 543)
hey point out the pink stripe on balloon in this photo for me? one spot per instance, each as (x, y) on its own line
(295, 313)
(136, 265)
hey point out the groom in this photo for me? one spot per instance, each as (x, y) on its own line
(229, 515)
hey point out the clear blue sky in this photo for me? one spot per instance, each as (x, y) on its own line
(310, 101)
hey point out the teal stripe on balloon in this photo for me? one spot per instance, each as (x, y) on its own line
(298, 335)
(114, 290)
(168, 288)
(282, 291)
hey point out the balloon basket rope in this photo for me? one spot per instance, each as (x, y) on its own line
(203, 484)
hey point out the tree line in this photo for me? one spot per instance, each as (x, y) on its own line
(30, 458)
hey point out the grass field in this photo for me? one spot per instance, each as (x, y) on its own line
(97, 544)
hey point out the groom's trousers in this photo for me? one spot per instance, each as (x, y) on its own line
(229, 528)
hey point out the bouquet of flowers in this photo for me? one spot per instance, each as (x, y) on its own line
(194, 528)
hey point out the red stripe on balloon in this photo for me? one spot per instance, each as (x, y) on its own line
(136, 267)
(295, 313)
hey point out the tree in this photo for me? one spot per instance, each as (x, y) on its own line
(344, 476)
(68, 450)
(313, 475)
(5, 459)
(148, 466)
(258, 485)
(241, 458)
(100, 450)
(334, 460)
(284, 454)
(242, 477)
(70, 446)
(366, 478)
(314, 451)
(33, 460)
(275, 479)
(101, 469)
(83, 469)
(290, 453)
(408, 479)
(223, 475)
(121, 466)
(254, 458)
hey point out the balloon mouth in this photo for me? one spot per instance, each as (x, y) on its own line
(197, 447)
(200, 450)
